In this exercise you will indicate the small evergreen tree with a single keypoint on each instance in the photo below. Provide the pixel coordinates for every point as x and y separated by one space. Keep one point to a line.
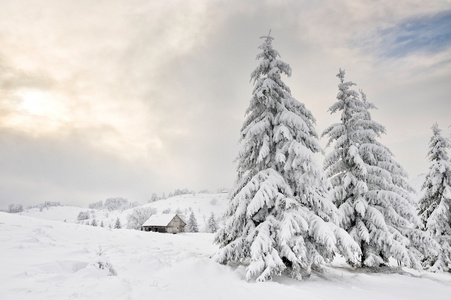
369 186
94 222
192 224
212 225
101 224
279 217
435 205
118 225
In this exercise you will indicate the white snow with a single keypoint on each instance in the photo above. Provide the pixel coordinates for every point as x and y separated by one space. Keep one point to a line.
45 259
159 220
56 213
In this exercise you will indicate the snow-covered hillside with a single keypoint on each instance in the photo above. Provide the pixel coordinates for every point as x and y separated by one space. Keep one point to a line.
55 213
44 259
202 205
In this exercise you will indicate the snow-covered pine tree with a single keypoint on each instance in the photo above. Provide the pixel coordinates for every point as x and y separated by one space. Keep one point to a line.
369 186
192 224
212 224
278 216
382 164
118 225
435 205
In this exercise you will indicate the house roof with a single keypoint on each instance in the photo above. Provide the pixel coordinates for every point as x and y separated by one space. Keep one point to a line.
160 220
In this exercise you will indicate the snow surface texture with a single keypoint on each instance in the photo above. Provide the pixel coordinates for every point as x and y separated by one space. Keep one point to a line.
44 259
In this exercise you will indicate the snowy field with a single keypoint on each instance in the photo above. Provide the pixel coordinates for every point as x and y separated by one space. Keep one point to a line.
48 259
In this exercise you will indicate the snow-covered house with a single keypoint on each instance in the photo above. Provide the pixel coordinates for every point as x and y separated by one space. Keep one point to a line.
169 223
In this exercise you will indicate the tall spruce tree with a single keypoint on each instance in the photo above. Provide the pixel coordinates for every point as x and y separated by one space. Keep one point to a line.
435 205
369 186
279 217
387 179
118 225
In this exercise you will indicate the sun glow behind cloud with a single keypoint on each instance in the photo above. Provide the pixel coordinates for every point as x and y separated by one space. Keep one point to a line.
35 112
108 79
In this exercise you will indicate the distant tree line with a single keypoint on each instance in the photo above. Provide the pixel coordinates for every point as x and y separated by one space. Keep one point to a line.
111 204
17 208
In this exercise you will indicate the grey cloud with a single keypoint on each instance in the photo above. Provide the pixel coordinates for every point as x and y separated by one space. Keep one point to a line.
12 79
171 83
37 170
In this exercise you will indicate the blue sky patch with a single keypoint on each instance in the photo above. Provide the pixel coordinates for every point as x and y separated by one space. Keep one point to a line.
425 34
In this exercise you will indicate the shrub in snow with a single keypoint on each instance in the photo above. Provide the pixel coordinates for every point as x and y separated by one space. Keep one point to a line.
83 215
191 226
102 262
15 208
369 186
138 216
94 222
279 218
435 205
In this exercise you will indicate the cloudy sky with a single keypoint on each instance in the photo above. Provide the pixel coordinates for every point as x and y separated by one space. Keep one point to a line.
110 98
